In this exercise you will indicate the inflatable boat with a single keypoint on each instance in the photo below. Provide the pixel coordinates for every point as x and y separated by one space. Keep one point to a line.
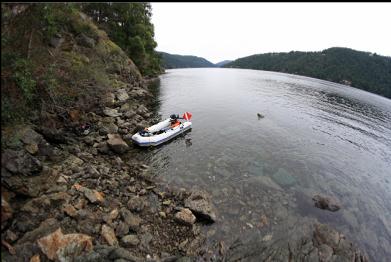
163 131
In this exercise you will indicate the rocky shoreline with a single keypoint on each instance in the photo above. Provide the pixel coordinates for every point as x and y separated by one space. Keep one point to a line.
81 192
71 184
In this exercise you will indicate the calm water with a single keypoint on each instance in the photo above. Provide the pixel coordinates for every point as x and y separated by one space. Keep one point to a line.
316 137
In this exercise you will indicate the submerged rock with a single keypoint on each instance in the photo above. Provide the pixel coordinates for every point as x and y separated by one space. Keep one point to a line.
328 203
199 202
283 177
305 242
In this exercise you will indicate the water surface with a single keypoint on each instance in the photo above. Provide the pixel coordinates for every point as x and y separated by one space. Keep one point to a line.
315 137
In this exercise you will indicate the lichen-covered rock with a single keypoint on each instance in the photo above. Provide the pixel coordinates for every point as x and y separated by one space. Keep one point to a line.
111 112
122 95
57 246
185 216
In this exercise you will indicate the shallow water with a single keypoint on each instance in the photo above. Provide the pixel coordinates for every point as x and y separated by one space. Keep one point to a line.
315 137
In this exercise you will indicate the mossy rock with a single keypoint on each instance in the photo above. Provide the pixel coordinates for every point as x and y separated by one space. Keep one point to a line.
283 178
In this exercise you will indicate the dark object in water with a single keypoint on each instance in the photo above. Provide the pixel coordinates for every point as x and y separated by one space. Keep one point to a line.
260 116
328 203
188 142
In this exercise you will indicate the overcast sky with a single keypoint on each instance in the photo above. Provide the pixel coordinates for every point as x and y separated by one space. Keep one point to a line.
226 31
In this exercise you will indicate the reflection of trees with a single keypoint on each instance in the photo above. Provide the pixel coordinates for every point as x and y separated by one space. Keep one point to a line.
154 88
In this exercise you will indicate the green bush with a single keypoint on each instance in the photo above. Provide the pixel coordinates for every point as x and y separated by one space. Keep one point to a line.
23 77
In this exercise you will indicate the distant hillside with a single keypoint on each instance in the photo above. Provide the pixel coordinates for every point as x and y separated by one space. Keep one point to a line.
222 63
184 61
367 71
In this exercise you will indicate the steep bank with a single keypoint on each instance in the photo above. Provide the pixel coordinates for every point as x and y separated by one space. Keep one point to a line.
70 102
367 71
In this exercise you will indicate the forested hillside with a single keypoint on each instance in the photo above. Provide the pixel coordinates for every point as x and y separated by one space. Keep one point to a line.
367 71
184 61
129 25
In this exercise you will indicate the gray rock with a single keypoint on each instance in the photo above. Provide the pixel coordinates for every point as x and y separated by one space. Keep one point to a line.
122 95
30 186
116 144
136 204
131 219
130 240
111 112
185 216
29 136
20 162
142 110
46 227
108 99
120 252
85 41
283 177
56 41
122 229
200 203
103 148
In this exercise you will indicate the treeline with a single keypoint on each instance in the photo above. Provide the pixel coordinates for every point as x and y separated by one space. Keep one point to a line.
367 71
184 61
129 26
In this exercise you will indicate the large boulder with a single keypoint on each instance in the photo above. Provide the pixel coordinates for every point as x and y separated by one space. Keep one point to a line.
20 163
31 186
200 203
116 143
57 246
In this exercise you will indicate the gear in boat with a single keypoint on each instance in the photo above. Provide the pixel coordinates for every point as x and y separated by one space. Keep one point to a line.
163 131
